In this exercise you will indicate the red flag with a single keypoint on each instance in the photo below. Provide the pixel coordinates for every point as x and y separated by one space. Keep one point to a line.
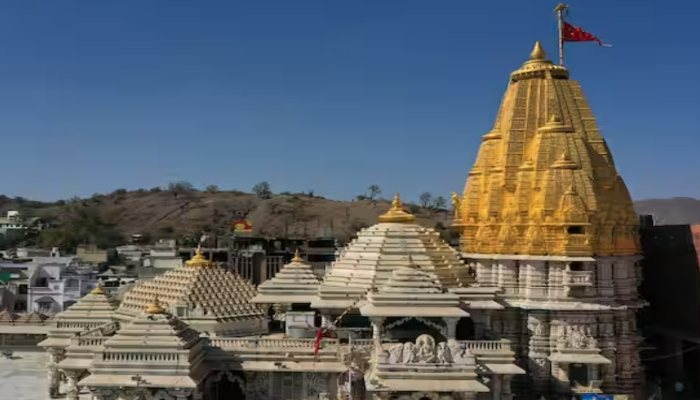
317 342
572 33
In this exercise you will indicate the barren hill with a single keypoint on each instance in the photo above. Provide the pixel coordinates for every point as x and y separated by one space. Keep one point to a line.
159 214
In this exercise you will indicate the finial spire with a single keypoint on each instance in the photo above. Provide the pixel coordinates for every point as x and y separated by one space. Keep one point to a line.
396 212
538 52
99 289
297 257
199 260
155 307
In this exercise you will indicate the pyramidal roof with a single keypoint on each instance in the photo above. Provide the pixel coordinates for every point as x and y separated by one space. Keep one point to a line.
294 283
198 292
93 310
156 347
96 306
410 290
396 241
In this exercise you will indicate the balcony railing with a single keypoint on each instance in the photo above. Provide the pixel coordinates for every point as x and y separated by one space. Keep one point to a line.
578 278
477 347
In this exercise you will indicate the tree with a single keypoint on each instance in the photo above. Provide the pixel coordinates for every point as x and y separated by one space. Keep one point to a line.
212 189
374 191
439 203
262 190
180 187
425 199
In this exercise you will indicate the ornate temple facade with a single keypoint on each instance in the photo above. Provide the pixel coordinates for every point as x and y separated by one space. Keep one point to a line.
546 219
543 307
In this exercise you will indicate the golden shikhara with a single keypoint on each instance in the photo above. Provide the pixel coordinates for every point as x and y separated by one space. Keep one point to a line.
544 181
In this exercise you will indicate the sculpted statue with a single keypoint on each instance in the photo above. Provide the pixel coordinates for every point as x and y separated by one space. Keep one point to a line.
426 349
577 339
562 338
444 355
591 342
455 204
409 353
396 354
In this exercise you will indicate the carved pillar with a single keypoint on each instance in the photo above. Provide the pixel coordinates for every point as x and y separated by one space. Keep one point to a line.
507 394
54 375
496 387
451 324
72 389
538 351
377 331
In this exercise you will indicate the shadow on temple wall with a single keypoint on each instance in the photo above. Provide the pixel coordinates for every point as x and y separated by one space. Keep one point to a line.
671 322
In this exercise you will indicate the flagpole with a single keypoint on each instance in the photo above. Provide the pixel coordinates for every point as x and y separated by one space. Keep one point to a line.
560 22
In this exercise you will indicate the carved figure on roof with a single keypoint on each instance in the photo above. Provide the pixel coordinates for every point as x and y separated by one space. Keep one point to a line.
409 353
426 349
591 342
577 338
396 353
455 204
444 355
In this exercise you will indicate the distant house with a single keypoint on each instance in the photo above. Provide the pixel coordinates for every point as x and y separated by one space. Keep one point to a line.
14 223
91 254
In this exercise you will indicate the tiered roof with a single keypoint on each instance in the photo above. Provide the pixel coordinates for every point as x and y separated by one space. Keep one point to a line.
93 310
411 288
294 283
395 242
97 306
198 292
155 350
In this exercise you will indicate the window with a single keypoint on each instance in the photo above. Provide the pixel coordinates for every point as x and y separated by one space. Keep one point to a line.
576 266
42 282
575 230
23 289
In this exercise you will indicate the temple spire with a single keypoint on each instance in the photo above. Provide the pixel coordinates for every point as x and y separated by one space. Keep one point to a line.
538 52
396 212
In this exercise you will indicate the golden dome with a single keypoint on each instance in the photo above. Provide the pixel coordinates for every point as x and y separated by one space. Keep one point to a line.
155 307
98 289
297 257
199 260
396 212
544 181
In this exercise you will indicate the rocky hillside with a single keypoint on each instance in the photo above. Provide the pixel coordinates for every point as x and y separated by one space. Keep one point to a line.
187 215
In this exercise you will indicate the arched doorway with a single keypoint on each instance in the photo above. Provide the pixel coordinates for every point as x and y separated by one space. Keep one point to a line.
224 385
465 329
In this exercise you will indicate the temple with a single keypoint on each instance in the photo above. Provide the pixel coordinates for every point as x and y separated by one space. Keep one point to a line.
546 219
543 307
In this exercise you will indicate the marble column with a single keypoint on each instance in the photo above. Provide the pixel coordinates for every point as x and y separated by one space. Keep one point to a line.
451 328
72 389
377 323
496 387
54 375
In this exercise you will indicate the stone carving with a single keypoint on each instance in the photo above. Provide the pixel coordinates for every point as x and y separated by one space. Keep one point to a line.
409 353
444 355
534 325
396 354
425 350
576 337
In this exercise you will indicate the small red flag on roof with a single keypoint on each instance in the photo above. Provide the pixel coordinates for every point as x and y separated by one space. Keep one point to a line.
571 33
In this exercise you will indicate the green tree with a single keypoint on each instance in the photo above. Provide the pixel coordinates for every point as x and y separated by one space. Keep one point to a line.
373 191
262 190
439 203
212 189
425 199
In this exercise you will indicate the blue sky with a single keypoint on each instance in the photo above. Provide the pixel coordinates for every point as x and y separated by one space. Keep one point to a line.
330 96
